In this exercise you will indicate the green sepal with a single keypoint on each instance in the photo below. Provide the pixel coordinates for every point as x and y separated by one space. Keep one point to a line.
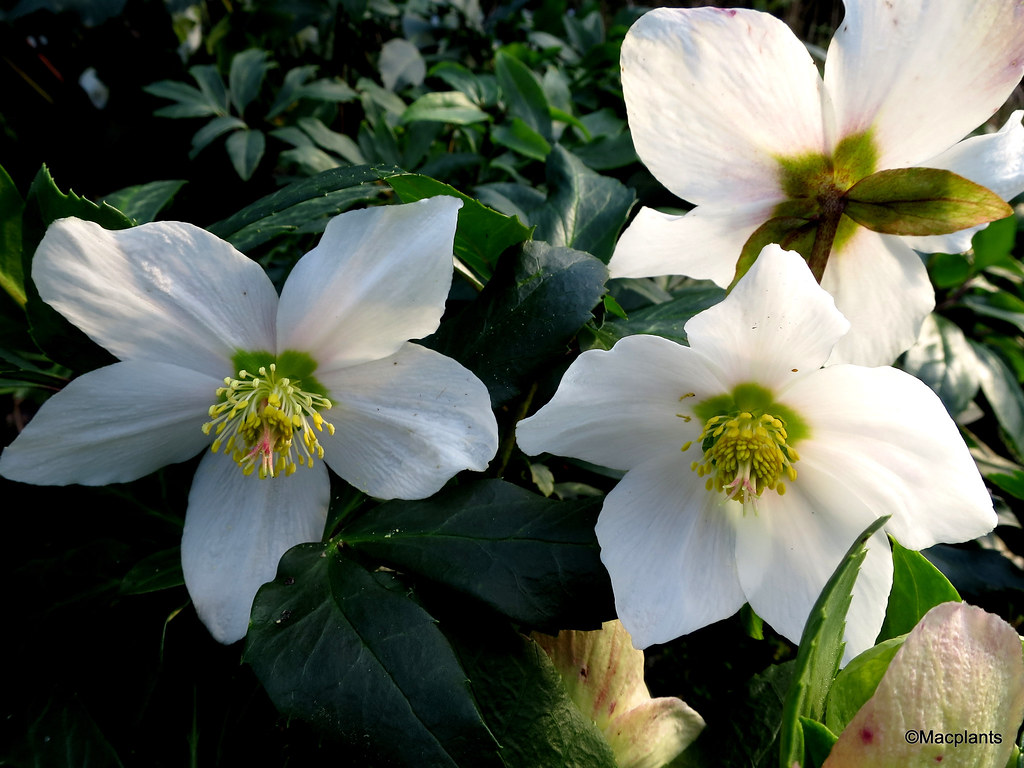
818 741
792 233
922 201
917 587
857 682
821 650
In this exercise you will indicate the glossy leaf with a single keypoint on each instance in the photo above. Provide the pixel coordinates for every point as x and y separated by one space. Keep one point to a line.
922 201
12 278
401 64
531 559
217 127
143 202
483 234
520 137
338 143
917 587
525 317
161 570
248 69
943 359
352 653
1003 393
523 700
191 102
302 204
584 210
523 93
245 148
821 650
666 319
445 107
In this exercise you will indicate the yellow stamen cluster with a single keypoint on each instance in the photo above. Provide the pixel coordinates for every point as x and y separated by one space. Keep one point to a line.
257 418
745 454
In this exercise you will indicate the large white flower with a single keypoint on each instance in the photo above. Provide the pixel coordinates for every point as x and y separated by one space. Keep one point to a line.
210 354
728 111
783 462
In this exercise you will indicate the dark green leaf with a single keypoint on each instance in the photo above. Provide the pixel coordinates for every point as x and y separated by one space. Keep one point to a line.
525 317
302 202
445 107
821 650
523 700
161 570
481 89
917 587
144 201
338 143
216 127
212 85
1003 393
530 558
584 210
294 79
922 201
245 148
401 64
521 138
12 278
328 89
949 270
993 245
857 683
999 305
350 652
943 359
483 234
523 93
976 572
746 738
65 734
248 69
666 319
1012 484
191 101
61 341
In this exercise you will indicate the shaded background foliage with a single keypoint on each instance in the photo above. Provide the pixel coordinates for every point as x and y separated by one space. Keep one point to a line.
109 665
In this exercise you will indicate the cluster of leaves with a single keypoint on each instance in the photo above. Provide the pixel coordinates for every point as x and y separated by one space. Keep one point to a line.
408 618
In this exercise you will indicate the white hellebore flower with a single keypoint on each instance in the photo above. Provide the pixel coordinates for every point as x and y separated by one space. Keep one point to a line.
783 462
211 356
728 111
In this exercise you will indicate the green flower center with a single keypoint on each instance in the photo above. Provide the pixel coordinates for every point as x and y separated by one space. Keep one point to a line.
746 454
268 422
747 443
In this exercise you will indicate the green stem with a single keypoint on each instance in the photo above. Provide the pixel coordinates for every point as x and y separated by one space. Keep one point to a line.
832 207
508 442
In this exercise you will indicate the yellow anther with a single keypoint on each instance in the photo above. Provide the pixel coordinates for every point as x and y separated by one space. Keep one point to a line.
258 418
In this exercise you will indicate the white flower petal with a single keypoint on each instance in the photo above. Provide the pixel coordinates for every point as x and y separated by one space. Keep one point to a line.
378 278
887 440
408 423
237 527
870 597
994 160
166 291
922 74
704 244
622 407
788 549
669 547
113 425
775 320
883 289
714 97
